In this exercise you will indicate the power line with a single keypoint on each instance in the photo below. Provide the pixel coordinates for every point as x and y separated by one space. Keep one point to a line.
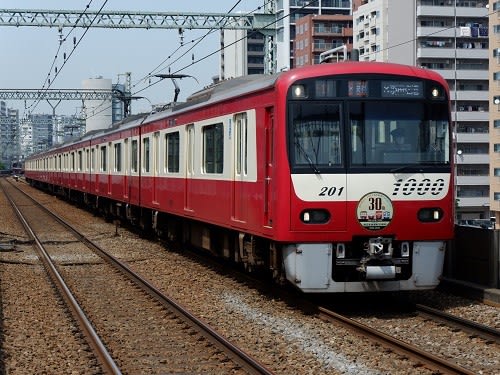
74 48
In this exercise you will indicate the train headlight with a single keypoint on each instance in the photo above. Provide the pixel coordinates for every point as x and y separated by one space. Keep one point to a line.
314 216
299 92
430 214
437 93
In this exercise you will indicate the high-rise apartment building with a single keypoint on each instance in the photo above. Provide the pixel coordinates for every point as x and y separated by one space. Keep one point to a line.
494 102
450 37
287 14
316 34
243 53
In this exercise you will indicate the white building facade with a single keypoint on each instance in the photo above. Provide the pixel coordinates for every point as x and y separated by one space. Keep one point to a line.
450 37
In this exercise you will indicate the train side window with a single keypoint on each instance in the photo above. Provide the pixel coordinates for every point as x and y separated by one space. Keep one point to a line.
145 155
118 157
72 166
156 153
190 148
213 148
92 160
80 160
134 156
103 159
172 152
87 159
241 133
126 155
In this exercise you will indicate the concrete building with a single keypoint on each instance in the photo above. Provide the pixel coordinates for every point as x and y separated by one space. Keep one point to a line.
494 101
98 112
450 37
384 30
288 12
315 34
9 135
242 53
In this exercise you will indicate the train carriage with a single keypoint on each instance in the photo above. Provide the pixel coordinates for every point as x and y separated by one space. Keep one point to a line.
337 177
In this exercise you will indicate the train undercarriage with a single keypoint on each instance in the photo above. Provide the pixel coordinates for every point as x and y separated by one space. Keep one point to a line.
365 264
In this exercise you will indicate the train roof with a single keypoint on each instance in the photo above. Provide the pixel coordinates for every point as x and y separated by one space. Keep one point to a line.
237 87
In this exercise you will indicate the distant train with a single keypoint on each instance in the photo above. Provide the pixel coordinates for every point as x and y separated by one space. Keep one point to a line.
335 177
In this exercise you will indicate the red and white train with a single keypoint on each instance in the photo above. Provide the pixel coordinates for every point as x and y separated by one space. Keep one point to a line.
337 177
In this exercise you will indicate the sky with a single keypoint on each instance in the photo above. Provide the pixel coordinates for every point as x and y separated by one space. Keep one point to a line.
28 53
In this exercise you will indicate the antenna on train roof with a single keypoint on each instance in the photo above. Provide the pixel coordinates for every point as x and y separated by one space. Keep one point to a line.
173 77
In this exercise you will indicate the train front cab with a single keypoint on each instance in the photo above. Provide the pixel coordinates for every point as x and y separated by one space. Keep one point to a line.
385 214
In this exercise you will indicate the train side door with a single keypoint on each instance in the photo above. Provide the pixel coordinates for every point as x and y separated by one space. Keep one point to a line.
126 168
268 212
134 180
240 157
189 166
108 167
156 165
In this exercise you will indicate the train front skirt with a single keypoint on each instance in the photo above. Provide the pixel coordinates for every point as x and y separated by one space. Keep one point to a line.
311 267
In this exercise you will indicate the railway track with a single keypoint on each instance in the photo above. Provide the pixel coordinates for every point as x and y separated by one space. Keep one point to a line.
421 357
397 351
414 352
127 330
473 328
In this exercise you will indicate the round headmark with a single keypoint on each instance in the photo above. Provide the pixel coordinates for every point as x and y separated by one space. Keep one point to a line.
374 211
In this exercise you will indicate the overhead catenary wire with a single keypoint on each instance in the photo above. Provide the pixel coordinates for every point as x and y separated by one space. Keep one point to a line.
150 74
198 41
249 34
76 44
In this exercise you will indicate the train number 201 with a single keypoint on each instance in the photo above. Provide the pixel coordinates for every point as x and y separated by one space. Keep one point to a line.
331 191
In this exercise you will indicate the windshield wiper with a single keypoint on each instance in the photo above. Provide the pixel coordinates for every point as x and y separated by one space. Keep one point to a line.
311 163
413 168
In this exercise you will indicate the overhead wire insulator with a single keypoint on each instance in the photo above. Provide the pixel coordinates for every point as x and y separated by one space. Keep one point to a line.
181 34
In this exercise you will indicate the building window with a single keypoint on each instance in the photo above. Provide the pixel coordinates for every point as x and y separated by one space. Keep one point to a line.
496 147
496 196
496 171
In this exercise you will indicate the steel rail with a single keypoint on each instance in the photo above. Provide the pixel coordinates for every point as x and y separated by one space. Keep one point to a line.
237 354
470 326
100 350
427 358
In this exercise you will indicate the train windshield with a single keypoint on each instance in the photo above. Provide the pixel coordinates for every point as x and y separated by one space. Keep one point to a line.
392 132
367 133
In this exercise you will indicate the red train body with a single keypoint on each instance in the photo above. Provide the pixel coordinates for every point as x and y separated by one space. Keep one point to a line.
295 172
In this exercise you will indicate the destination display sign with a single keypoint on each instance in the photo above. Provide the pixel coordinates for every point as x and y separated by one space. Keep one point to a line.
402 89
